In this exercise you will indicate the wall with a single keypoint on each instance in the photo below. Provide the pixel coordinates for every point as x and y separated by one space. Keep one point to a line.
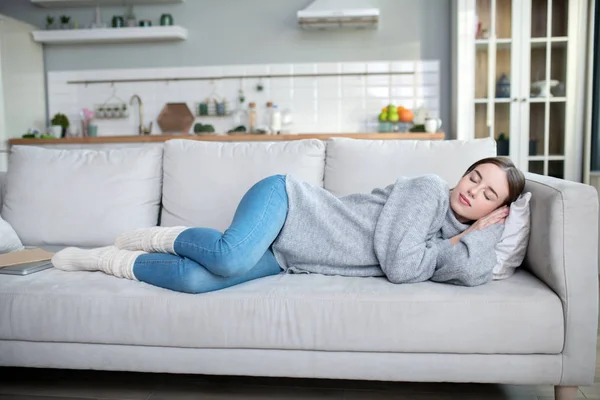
225 32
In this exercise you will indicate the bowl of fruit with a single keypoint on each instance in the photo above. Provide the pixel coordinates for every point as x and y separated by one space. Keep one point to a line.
395 119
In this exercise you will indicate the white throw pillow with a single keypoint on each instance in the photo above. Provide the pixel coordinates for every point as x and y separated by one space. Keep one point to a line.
9 241
80 197
511 249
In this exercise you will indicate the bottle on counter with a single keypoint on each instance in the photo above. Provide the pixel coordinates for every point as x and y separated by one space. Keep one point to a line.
275 121
267 117
252 117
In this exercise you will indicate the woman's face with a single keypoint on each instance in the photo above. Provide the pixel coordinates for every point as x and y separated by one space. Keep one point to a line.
479 192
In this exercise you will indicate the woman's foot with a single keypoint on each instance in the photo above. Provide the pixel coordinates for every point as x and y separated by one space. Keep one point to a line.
110 260
158 239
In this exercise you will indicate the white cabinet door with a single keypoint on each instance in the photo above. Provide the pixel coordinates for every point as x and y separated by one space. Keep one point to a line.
524 69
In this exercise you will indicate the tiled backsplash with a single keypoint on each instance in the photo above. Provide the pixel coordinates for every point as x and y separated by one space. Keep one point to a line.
318 104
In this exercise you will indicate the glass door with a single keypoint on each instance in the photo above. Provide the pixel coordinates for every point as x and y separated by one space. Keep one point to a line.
546 97
496 109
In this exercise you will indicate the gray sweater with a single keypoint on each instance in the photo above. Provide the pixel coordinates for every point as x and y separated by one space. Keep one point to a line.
400 232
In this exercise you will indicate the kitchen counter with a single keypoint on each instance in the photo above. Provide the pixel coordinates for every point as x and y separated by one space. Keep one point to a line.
228 138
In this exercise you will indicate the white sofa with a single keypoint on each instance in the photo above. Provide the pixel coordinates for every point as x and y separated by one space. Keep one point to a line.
538 327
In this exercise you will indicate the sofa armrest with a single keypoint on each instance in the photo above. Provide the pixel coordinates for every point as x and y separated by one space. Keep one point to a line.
563 253
2 187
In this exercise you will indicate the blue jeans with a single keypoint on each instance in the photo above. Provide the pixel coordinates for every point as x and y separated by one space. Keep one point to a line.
209 260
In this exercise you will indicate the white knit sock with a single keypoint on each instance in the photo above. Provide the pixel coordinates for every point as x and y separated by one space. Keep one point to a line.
158 239
110 260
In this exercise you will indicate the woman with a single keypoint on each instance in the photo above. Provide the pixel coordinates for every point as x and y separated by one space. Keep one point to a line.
414 230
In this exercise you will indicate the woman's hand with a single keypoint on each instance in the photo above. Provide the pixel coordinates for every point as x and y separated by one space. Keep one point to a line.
497 216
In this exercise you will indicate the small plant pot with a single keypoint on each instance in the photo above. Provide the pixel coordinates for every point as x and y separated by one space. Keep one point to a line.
532 147
503 147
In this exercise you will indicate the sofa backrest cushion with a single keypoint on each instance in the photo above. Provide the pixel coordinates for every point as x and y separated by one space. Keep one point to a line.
81 197
203 182
359 166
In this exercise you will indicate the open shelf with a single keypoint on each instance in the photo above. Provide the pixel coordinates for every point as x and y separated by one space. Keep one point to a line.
549 99
500 43
494 100
111 35
93 3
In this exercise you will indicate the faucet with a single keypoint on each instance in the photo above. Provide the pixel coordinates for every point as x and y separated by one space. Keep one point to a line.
142 130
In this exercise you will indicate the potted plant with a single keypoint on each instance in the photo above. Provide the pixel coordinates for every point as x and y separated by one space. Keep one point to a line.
502 145
64 22
62 121
532 146
49 22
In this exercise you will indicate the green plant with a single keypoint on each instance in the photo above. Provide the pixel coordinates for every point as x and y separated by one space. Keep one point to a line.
502 137
49 20
60 119
64 19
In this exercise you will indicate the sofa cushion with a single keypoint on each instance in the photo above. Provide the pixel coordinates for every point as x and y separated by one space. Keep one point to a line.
519 315
204 181
358 166
81 197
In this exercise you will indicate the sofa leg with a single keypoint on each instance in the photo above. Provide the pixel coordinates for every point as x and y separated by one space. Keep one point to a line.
565 392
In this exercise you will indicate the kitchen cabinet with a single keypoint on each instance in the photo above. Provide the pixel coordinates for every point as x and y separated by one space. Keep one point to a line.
520 75
22 83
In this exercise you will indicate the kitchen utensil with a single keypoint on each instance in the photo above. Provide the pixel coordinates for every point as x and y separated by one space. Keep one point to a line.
175 118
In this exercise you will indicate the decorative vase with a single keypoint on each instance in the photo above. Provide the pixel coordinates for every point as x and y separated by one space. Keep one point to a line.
503 87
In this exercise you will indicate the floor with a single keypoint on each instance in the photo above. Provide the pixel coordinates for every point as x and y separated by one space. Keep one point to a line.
48 384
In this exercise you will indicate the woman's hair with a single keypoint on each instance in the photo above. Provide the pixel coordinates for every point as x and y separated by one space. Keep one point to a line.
516 179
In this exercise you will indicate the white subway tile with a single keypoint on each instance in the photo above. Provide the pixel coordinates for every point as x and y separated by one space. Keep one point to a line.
378 67
300 69
353 80
378 92
378 80
353 91
328 81
402 91
282 69
329 92
427 91
403 79
402 66
329 68
354 67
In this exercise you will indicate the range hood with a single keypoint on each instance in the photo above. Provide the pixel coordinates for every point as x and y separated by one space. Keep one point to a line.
332 14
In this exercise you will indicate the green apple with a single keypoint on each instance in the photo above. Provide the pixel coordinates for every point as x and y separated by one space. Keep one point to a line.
383 116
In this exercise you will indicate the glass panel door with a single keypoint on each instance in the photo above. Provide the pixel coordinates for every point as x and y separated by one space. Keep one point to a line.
494 72
548 44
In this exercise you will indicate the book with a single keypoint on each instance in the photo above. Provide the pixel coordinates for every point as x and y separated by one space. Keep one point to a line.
25 262
27 256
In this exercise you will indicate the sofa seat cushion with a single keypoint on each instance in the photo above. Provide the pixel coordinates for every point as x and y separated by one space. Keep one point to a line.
205 181
519 315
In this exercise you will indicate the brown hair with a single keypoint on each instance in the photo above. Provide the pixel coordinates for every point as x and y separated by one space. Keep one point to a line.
516 179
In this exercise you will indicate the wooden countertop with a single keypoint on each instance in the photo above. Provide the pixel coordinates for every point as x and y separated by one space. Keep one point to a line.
228 138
